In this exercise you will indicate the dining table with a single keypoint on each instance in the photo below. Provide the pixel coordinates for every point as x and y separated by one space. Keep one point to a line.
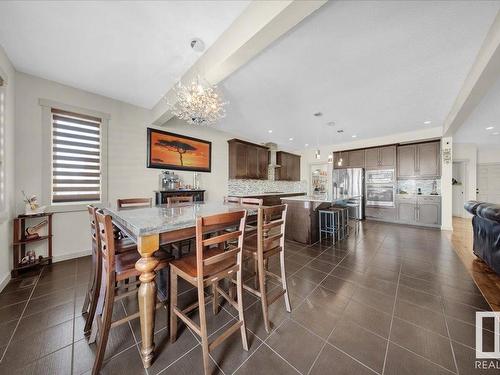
152 227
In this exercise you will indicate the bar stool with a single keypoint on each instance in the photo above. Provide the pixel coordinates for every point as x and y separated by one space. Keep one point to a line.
267 242
329 223
91 296
115 268
208 267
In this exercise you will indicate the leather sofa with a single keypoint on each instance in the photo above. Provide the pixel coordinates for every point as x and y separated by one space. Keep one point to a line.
486 227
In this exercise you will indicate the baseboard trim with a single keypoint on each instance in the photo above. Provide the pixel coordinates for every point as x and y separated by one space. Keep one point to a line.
60 258
5 281
450 228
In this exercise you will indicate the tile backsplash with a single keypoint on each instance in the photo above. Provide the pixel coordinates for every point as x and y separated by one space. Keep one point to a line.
412 186
240 187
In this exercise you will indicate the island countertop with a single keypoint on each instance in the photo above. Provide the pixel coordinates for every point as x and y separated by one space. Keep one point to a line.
312 198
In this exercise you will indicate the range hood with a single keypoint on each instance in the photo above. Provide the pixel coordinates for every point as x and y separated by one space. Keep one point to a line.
273 147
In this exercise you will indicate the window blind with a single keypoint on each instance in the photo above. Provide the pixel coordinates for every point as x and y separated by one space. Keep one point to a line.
76 157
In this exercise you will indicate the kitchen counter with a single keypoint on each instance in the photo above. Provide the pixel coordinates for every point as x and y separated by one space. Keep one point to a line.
312 198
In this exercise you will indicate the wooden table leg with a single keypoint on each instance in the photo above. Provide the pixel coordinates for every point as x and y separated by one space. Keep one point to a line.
147 245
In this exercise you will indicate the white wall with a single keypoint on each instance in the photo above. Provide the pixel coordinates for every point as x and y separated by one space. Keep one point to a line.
127 172
488 154
7 69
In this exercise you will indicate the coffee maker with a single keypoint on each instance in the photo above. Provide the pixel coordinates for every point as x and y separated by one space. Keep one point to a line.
169 181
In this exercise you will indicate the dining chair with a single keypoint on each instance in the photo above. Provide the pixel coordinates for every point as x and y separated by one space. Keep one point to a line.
179 199
231 200
93 286
115 268
178 246
268 241
124 203
252 201
208 267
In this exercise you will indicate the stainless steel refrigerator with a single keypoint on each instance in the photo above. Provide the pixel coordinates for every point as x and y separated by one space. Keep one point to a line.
350 182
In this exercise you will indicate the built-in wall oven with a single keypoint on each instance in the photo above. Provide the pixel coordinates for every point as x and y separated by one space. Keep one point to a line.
380 188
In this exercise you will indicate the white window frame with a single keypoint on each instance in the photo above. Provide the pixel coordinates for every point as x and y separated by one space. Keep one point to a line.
47 106
4 204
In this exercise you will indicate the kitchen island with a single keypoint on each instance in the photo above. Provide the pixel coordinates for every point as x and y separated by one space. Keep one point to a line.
302 222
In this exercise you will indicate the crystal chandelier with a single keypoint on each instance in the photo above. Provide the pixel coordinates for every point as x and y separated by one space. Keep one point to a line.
198 103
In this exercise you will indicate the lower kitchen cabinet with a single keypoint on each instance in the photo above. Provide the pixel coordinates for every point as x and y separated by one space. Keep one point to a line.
407 212
381 213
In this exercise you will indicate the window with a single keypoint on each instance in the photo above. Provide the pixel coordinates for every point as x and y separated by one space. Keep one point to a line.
2 147
77 141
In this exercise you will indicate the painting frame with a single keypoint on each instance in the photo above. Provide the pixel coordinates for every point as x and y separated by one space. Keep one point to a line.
157 165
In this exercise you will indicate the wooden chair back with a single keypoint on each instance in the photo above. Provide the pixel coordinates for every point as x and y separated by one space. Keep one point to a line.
179 199
106 242
252 201
271 229
231 200
133 203
232 256
93 232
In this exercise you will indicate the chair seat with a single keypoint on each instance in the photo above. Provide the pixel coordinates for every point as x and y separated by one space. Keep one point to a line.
125 263
188 264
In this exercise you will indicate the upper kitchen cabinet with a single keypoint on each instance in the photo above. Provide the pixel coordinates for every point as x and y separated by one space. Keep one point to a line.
290 166
341 159
356 159
247 160
419 160
380 157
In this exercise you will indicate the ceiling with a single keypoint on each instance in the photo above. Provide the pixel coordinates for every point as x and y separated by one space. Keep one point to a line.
374 68
130 51
485 115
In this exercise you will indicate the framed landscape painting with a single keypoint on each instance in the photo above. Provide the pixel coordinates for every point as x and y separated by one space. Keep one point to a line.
175 151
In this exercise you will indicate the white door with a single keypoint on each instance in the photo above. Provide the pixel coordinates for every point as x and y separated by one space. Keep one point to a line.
488 183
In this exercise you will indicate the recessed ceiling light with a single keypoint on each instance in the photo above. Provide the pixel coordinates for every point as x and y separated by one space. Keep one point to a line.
490 127
340 131
354 136
197 44
495 133
331 123
318 114
290 139
427 122
306 145
269 131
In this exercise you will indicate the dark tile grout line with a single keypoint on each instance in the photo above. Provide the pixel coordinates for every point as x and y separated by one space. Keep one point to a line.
20 317
392 320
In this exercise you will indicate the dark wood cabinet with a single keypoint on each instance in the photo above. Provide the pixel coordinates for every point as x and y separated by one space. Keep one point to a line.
380 157
290 166
420 160
161 196
247 160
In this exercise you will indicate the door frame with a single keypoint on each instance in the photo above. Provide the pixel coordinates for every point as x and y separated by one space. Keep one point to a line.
465 182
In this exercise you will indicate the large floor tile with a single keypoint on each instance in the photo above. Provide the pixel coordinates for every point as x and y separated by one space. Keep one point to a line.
428 344
300 353
360 343
263 361
403 362
332 359
425 318
369 318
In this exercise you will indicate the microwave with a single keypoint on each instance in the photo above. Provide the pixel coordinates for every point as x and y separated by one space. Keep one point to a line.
380 176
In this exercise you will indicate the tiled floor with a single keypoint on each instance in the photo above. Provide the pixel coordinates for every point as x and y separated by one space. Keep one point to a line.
392 300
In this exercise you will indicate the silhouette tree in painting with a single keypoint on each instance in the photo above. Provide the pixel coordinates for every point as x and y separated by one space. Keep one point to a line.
176 146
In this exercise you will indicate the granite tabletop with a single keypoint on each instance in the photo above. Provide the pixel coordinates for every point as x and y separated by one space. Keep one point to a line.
167 218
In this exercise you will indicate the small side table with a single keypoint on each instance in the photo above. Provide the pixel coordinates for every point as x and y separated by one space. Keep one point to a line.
20 241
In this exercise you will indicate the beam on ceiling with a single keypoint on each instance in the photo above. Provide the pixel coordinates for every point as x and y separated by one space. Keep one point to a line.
260 24
483 74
